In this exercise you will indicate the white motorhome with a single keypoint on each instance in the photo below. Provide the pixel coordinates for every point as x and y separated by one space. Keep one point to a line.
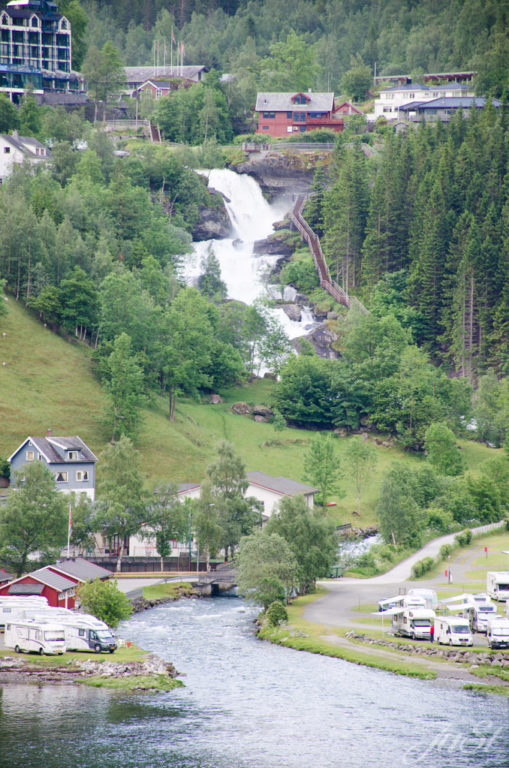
453 630
86 633
429 595
498 632
497 584
414 622
479 615
408 601
39 637
13 606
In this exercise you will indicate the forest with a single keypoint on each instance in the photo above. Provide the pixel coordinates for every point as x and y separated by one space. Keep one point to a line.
245 37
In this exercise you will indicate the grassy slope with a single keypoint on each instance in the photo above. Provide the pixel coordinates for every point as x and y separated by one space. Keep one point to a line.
48 382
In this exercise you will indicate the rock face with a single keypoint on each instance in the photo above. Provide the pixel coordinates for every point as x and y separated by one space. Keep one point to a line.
214 222
321 339
278 172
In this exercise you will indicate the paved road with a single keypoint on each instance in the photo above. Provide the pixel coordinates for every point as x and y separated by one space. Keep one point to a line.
336 608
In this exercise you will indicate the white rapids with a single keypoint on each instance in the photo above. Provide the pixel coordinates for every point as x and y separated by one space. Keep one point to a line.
245 274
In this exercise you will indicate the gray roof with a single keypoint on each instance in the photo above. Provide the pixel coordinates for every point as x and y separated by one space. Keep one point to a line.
158 82
282 102
54 449
282 485
71 98
183 487
22 588
25 144
141 74
52 579
81 569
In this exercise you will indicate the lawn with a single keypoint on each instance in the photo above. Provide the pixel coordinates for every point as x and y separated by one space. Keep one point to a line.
49 382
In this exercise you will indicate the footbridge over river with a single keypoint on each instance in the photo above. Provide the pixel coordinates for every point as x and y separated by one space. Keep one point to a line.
217 582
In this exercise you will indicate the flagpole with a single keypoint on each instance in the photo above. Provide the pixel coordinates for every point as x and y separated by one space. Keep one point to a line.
69 529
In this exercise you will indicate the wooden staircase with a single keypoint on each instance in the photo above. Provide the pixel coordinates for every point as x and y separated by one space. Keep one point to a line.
312 239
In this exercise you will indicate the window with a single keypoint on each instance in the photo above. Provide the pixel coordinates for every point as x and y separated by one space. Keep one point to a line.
35 21
289 115
269 115
299 99
299 117
7 150
265 127
81 476
61 477
30 455
72 455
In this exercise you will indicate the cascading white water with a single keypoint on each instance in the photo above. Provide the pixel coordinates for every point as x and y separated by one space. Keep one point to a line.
252 219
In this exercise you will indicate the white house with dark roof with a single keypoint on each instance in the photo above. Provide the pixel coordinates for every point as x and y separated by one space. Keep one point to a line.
389 101
270 490
16 149
68 458
264 488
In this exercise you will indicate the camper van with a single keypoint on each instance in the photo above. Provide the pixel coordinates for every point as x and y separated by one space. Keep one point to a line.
429 595
39 637
498 632
414 622
85 633
479 614
400 602
497 585
13 606
453 630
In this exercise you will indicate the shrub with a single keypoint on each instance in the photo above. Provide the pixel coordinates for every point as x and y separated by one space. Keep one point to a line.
464 538
422 566
445 551
276 613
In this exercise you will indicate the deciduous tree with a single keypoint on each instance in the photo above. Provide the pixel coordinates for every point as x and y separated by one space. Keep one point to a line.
34 517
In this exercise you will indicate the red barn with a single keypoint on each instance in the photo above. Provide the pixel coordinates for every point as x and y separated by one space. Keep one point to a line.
60 591
281 114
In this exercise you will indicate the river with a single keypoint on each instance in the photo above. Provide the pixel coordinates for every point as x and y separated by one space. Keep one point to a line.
248 704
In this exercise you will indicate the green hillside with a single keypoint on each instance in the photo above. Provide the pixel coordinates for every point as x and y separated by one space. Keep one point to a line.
48 382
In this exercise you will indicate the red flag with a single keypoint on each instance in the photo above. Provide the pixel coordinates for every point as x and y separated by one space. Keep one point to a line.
173 36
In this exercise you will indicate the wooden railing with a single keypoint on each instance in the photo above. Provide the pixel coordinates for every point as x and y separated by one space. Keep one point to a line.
312 239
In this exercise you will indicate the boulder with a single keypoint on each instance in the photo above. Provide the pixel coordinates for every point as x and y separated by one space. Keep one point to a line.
215 399
241 409
273 246
262 413
289 293
293 311
321 339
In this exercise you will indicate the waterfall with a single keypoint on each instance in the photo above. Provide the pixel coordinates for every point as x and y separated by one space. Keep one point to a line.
252 218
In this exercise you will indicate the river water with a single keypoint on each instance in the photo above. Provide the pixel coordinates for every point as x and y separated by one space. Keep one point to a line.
248 704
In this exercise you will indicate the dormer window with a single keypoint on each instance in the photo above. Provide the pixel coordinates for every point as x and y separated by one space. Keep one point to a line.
299 99
35 21
4 19
63 24
72 455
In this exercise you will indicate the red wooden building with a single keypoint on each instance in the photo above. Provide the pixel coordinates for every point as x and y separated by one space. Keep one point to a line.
281 114
57 582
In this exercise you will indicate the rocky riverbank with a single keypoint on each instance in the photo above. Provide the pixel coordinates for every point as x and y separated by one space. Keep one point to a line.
151 672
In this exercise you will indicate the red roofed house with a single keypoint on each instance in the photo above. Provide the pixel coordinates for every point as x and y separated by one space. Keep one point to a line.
57 582
281 114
